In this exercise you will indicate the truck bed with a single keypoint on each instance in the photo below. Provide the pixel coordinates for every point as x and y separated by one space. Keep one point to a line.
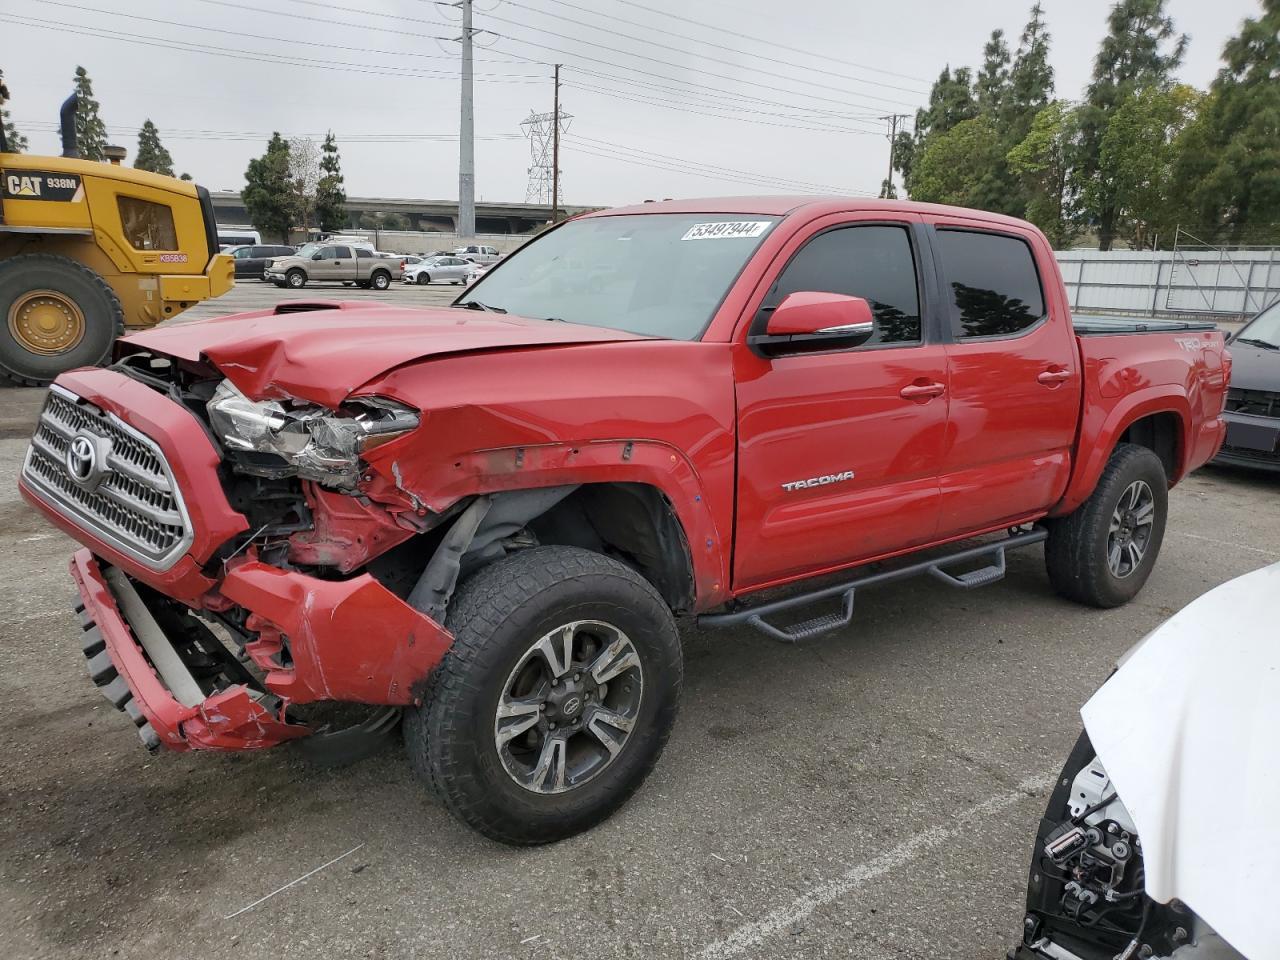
1093 326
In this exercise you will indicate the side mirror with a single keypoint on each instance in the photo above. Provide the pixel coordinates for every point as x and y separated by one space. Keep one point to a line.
812 314
316 256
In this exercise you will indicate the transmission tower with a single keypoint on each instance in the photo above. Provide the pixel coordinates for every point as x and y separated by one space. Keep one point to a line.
540 128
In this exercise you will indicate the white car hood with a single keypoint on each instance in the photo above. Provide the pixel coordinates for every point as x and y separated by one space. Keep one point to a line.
1188 728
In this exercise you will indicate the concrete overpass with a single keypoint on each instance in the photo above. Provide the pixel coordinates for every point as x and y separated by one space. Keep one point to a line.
440 216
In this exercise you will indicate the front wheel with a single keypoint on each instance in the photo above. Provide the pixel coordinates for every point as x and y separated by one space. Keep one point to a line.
556 698
296 279
381 280
1103 552
424 279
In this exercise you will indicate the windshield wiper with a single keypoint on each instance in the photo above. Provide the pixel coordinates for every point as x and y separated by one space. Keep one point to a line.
1264 344
477 305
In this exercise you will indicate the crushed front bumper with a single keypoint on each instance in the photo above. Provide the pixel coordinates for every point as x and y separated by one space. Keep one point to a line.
347 640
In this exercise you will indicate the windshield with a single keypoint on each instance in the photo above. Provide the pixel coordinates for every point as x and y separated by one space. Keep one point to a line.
660 274
1264 329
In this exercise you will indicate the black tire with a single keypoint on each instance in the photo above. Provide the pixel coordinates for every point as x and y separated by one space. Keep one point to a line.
101 309
1078 551
496 615
296 279
381 280
423 279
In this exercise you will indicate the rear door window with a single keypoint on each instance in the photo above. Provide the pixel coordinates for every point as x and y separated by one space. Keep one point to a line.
995 288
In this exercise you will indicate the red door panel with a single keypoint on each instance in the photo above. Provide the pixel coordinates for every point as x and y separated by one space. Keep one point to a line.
822 416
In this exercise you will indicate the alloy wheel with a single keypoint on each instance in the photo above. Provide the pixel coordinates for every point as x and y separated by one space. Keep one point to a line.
1129 535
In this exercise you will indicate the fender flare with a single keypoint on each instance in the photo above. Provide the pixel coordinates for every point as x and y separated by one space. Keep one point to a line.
1100 431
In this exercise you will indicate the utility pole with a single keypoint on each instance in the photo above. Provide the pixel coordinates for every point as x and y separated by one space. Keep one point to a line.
555 154
466 136
892 119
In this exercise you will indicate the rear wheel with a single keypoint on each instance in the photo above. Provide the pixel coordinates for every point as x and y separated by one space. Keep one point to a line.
380 280
1102 554
60 315
556 698
296 279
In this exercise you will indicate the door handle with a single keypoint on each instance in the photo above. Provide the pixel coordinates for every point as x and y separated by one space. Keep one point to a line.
921 392
1051 378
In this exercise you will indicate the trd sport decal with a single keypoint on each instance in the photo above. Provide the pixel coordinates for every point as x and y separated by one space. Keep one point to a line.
37 185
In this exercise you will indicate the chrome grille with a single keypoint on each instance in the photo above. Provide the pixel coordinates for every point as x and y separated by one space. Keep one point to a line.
128 498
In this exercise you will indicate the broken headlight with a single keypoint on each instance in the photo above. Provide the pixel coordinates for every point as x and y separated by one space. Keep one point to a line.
274 439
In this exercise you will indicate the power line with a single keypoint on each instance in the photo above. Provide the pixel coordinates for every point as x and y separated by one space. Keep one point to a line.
773 44
660 157
257 56
687 109
706 173
808 68
665 63
180 133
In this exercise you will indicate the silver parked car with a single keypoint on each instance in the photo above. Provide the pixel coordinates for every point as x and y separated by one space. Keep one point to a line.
439 269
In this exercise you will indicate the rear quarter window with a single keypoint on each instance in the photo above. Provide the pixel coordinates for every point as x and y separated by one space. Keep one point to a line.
995 287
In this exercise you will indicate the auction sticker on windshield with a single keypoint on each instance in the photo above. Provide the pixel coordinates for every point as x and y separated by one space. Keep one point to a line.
726 229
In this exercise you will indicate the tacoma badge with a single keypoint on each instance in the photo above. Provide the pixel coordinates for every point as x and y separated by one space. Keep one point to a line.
818 481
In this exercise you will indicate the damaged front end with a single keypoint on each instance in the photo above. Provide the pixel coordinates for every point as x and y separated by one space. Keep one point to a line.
226 592
1086 896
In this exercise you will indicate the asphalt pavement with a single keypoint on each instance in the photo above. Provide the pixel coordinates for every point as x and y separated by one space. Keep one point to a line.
870 794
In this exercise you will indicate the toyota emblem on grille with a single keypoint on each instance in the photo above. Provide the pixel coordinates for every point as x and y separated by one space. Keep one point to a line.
87 459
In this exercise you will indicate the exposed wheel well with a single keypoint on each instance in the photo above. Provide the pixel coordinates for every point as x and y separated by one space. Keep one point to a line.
631 521
1160 433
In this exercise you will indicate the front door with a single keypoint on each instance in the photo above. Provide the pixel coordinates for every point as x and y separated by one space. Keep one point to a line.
839 450
344 264
1015 377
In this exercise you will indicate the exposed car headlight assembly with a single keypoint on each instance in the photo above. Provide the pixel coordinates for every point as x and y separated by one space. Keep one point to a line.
270 438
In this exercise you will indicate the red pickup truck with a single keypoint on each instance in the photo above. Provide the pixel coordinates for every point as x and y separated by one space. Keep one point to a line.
486 518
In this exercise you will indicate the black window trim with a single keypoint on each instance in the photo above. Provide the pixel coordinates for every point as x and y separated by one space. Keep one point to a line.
946 298
923 264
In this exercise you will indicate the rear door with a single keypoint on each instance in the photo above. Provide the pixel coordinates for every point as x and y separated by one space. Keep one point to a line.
1014 376
835 463
344 265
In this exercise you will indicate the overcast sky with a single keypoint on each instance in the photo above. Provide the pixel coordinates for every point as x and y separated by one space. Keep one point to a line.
661 106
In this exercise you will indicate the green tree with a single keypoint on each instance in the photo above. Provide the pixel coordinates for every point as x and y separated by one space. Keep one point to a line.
991 87
1141 49
959 165
91 132
951 100
331 198
1136 160
1228 160
267 193
152 154
1042 162
16 141
1030 78
185 176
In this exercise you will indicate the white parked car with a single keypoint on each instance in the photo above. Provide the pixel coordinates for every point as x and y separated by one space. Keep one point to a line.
1160 839
439 270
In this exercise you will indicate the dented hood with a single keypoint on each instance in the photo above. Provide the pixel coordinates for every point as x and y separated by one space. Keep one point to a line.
1189 730
324 353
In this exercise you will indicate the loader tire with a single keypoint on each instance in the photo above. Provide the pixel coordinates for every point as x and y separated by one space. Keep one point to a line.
1101 554
57 314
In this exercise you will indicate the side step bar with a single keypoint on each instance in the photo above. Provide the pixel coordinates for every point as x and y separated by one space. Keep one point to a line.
993 553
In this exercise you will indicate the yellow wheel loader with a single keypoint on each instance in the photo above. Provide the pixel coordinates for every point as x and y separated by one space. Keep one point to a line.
90 249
